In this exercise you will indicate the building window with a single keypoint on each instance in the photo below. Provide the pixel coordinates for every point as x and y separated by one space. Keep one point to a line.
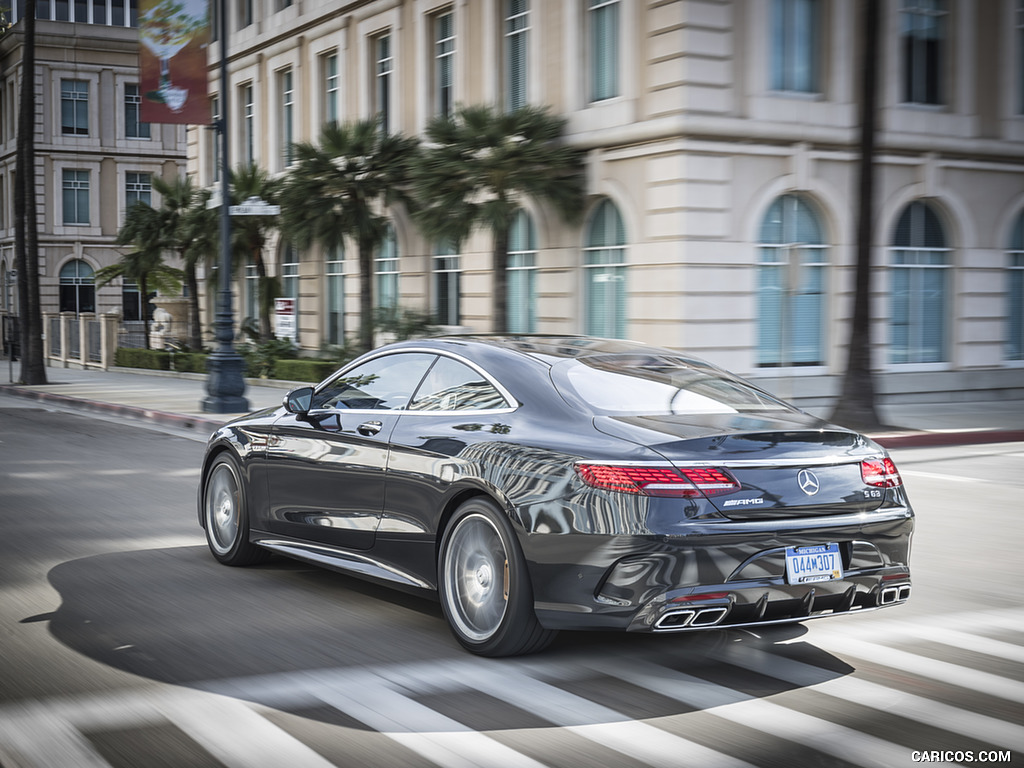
213 139
603 23
604 262
77 291
76 197
252 293
923 33
444 64
1015 293
796 34
1020 56
335 271
287 117
517 49
385 267
290 273
131 302
134 128
383 70
447 283
245 17
332 86
248 125
919 258
138 188
522 274
791 285
74 107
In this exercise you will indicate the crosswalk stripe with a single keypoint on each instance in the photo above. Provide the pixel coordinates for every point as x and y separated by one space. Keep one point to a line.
425 731
970 642
782 722
954 674
235 734
45 741
587 719
985 729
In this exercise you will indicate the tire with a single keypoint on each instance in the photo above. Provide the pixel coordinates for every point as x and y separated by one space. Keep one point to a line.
226 515
484 586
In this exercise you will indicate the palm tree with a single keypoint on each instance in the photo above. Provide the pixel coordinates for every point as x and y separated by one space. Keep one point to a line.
143 229
249 234
189 230
479 163
340 188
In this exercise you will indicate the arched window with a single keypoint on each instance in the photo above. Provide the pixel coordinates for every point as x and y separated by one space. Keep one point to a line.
604 262
335 316
919 258
447 283
1015 292
77 292
385 267
522 274
791 285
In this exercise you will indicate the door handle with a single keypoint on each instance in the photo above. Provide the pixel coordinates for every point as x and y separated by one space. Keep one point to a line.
369 428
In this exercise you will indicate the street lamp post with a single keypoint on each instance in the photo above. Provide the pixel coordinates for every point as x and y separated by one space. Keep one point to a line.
225 382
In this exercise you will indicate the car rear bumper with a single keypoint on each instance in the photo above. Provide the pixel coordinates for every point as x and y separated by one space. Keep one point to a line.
731 578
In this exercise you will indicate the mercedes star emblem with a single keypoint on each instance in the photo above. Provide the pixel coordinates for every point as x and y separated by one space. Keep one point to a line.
808 482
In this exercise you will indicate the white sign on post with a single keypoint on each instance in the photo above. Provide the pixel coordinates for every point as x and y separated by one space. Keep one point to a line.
285 326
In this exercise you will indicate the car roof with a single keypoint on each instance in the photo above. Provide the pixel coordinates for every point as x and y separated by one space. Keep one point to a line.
551 349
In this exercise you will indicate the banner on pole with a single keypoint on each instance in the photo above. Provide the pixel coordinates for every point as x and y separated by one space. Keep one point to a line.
173 66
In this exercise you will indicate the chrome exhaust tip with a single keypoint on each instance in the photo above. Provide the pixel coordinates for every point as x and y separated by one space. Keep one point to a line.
708 617
904 592
888 596
674 620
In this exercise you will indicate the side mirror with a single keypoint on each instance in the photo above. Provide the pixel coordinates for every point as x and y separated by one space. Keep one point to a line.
299 401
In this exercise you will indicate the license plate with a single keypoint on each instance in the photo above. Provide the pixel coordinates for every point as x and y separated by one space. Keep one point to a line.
818 563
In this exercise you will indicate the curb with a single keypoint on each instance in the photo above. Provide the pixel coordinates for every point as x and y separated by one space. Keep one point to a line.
181 420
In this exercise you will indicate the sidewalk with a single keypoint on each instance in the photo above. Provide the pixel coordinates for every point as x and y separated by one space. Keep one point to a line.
175 399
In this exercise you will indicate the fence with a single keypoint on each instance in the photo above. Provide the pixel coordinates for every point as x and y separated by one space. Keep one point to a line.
80 341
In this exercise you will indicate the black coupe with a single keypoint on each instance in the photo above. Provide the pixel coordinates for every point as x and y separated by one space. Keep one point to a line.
546 483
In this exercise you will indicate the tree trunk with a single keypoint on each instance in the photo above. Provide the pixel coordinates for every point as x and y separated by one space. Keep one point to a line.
195 334
365 295
144 288
33 366
499 271
856 406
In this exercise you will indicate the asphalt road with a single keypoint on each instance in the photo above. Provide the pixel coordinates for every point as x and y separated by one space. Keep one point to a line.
122 642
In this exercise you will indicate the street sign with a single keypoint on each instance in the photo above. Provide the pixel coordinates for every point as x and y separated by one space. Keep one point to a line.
284 314
254 206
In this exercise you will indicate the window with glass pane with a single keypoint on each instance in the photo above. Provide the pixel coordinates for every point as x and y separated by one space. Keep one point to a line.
522 275
335 272
791 285
517 48
74 107
134 127
248 124
604 262
382 81
332 84
386 271
603 23
383 383
923 39
213 139
131 300
138 188
287 116
76 197
1020 56
76 288
796 34
245 9
444 64
919 267
452 386
1015 293
252 293
290 274
447 278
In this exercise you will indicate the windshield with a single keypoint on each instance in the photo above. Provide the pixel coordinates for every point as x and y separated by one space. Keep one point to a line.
651 383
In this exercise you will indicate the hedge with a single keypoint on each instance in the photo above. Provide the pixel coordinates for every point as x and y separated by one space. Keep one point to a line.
312 371
159 360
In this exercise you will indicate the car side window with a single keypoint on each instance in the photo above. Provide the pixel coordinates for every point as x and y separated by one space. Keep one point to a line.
453 386
383 383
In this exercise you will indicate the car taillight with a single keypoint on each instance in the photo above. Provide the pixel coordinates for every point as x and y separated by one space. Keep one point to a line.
687 482
880 473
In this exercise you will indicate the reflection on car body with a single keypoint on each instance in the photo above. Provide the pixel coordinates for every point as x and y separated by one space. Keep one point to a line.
546 483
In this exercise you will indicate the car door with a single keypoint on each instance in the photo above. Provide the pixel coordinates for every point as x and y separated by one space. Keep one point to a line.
326 468
456 407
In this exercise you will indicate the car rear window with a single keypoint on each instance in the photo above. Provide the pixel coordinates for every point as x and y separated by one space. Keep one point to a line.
660 384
